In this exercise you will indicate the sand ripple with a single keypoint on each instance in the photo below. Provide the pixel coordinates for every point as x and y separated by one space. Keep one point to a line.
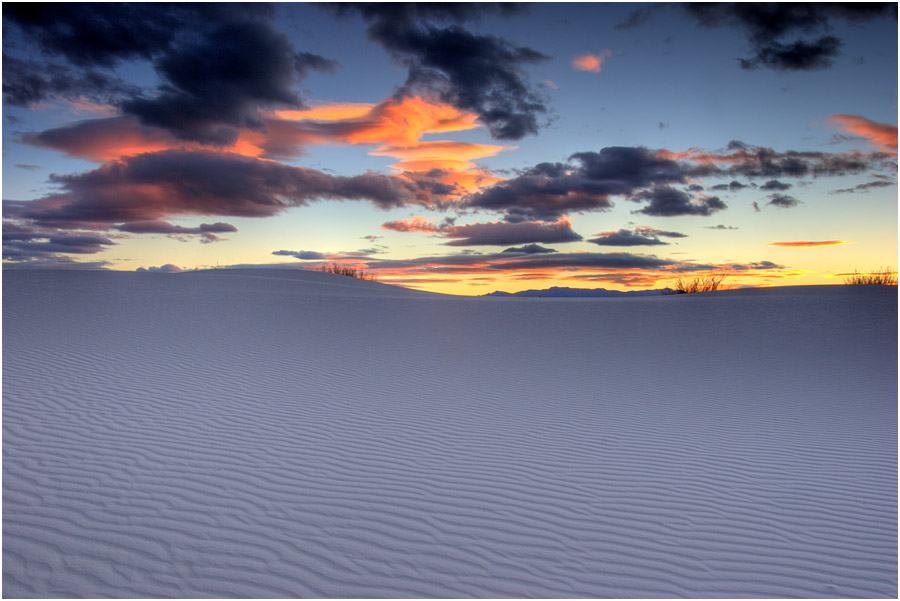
202 435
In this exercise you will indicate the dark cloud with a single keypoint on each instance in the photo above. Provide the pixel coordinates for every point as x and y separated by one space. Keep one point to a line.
758 161
767 25
797 56
721 227
484 74
864 187
734 186
589 180
783 201
153 186
303 255
758 265
104 34
220 64
626 238
775 185
549 190
206 231
55 261
245 67
666 201
23 243
649 231
27 82
498 233
529 249
499 262
77 44
504 234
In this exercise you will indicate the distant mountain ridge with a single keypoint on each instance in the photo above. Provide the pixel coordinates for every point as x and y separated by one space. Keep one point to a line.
560 292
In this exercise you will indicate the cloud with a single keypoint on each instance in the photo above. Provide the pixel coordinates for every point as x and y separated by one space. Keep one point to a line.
797 56
105 139
417 224
882 135
774 184
591 62
768 24
783 201
548 190
484 74
78 44
167 268
303 255
808 244
746 160
500 262
154 186
589 180
864 187
206 231
721 227
734 186
666 201
395 127
106 34
529 249
246 67
28 82
497 233
504 234
626 238
220 65
22 243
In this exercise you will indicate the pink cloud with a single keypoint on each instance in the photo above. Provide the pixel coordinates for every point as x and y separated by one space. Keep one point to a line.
883 135
591 62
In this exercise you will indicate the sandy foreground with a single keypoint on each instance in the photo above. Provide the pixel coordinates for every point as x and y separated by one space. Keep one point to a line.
297 434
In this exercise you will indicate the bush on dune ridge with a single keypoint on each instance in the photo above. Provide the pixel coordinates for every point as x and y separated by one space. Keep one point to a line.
699 284
349 271
884 277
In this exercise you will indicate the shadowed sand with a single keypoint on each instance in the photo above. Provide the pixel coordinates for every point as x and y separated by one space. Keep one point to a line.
297 434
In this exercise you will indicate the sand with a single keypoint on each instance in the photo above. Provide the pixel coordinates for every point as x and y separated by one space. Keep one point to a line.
260 433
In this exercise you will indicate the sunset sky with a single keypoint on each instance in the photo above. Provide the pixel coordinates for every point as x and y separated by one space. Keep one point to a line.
460 148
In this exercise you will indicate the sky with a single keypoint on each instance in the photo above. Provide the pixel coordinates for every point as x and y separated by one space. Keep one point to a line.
457 148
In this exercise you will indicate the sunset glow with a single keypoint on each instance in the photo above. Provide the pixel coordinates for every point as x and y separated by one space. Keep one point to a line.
445 148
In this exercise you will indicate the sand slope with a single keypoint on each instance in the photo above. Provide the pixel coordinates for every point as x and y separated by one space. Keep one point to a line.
287 434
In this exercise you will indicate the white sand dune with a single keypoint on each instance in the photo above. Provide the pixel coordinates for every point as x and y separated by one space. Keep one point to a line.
293 434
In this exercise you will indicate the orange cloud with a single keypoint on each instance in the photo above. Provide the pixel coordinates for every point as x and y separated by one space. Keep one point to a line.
808 244
396 127
391 122
333 111
883 135
591 62
413 224
107 139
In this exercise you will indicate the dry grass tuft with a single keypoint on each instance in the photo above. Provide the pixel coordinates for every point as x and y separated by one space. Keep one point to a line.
884 277
349 271
700 284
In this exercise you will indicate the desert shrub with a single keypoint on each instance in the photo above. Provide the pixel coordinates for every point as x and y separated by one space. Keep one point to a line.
699 284
884 277
349 271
